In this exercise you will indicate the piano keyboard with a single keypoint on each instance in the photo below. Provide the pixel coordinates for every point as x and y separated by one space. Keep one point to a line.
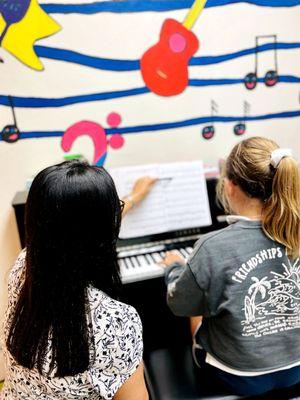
141 264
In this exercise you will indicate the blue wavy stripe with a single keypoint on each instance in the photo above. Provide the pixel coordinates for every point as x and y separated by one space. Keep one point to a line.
42 102
208 60
88 61
133 6
134 65
173 125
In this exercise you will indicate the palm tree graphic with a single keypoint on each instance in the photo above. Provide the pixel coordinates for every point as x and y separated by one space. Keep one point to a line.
259 286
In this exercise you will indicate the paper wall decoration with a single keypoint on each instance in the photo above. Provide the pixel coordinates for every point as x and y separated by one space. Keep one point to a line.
164 66
98 136
271 77
11 133
208 132
92 63
22 23
240 128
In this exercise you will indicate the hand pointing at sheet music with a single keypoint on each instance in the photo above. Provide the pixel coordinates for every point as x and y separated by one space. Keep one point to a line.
140 190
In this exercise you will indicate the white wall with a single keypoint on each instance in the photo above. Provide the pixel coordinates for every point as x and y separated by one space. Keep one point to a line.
221 30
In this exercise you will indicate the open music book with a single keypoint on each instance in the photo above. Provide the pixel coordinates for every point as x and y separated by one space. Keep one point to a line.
178 199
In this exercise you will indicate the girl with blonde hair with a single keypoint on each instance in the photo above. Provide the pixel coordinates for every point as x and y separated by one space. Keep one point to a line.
243 282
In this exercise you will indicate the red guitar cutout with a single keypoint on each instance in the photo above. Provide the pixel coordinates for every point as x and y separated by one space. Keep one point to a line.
164 66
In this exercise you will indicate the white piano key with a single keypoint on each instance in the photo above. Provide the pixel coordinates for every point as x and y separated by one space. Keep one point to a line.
157 257
189 250
143 273
128 263
122 267
142 261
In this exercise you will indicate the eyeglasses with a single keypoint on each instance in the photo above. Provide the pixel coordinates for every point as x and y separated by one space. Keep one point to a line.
122 205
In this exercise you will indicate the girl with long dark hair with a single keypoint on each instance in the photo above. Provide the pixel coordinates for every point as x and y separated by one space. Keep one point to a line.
66 335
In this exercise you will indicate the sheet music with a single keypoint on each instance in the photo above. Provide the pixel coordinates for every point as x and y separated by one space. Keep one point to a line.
178 199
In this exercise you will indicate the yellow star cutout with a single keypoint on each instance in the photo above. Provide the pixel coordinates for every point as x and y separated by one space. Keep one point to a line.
21 36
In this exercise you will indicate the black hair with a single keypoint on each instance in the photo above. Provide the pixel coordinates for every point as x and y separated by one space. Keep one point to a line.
72 223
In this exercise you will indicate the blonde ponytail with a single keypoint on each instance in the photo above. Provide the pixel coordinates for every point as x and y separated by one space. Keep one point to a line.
281 212
249 166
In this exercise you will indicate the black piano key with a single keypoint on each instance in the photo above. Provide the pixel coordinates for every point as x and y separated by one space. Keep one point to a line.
135 263
127 263
184 253
150 259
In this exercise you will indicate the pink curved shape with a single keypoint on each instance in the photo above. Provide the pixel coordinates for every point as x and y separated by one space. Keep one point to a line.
116 141
90 129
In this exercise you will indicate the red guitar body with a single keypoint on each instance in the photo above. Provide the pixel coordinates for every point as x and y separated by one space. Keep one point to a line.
164 66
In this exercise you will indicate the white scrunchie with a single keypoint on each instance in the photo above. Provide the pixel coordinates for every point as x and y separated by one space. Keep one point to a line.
278 154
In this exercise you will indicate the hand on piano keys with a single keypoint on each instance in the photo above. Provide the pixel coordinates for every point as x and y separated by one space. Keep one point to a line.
172 257
141 264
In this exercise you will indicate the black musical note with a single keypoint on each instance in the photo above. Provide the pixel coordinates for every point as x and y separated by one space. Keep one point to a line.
240 128
11 133
271 77
208 131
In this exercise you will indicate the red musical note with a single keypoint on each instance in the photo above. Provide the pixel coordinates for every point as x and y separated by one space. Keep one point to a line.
164 66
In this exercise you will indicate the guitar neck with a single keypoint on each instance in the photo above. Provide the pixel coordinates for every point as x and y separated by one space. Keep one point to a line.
194 13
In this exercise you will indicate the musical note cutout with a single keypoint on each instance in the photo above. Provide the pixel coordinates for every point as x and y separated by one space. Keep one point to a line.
208 131
12 11
11 133
22 23
116 141
240 128
164 66
271 77
98 136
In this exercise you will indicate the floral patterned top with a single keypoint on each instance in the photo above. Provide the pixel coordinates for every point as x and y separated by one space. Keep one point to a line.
116 351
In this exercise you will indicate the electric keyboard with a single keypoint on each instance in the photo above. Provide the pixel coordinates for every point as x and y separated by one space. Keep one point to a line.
141 261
